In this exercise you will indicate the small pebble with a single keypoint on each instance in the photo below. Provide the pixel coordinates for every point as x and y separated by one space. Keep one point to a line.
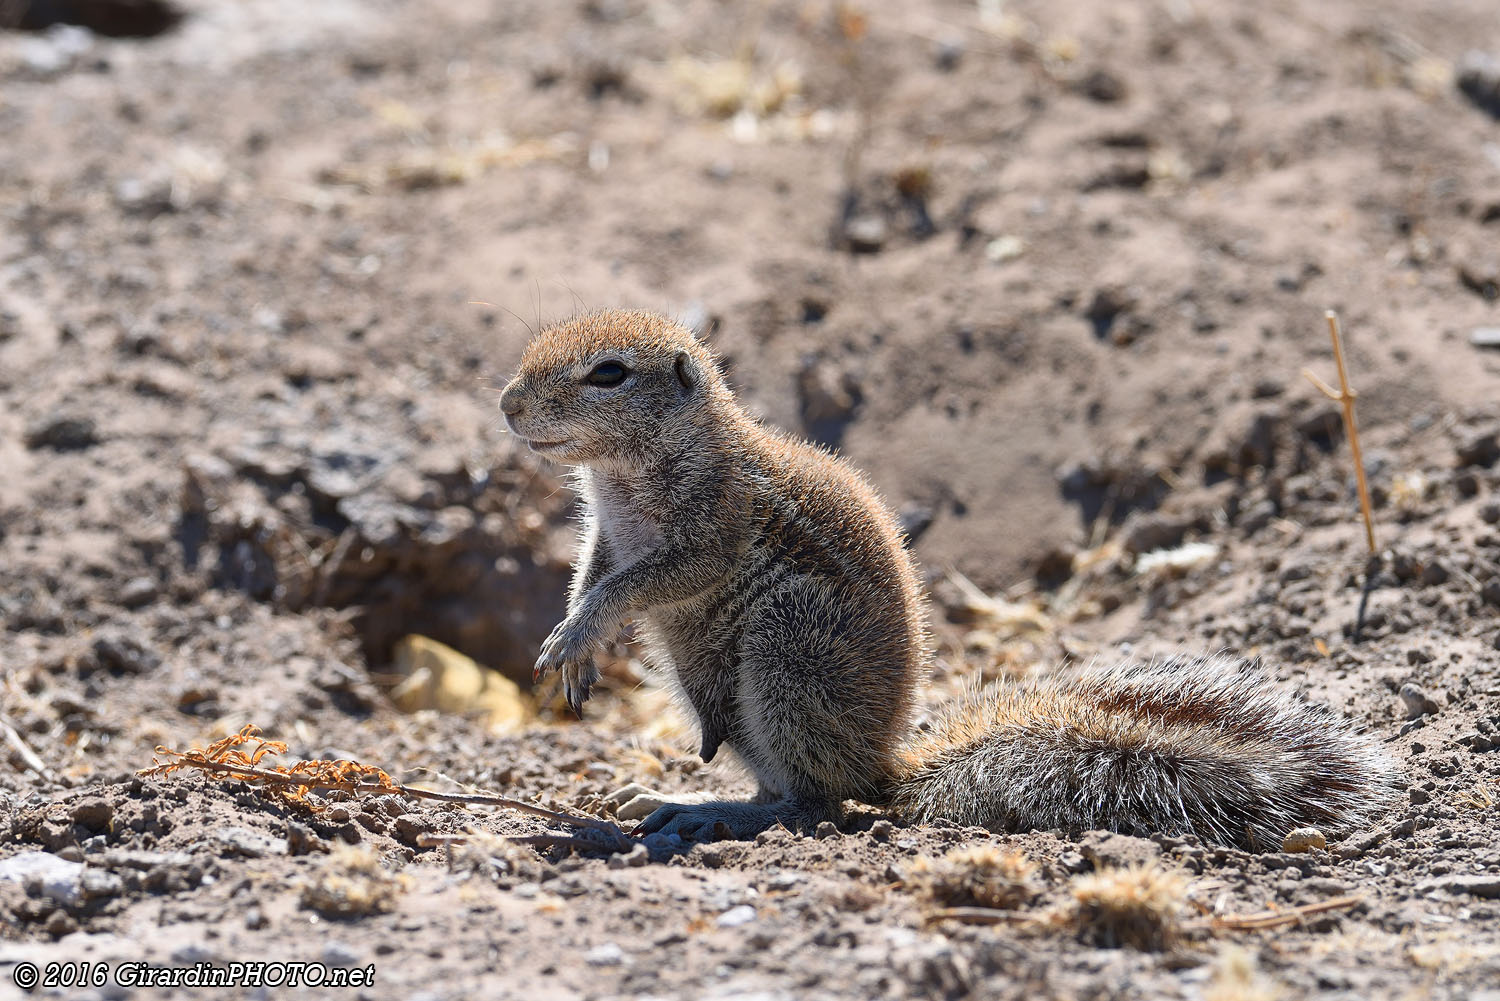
1304 839
1478 78
1103 86
61 434
409 828
97 884
1480 447
826 829
299 839
736 916
60 923
138 591
1418 702
638 856
865 234
1004 248
95 814
607 954
123 653
192 953
249 843
339 954
948 52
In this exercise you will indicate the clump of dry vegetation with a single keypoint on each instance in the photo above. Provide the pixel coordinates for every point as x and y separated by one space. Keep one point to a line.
1138 906
1236 977
352 883
224 759
977 876
500 860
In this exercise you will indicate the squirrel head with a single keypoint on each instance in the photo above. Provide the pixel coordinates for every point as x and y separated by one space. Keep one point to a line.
610 386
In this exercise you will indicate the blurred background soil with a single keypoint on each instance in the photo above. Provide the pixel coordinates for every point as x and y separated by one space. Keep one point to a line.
1048 273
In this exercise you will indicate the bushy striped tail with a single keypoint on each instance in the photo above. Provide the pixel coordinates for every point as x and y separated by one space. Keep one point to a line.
1204 745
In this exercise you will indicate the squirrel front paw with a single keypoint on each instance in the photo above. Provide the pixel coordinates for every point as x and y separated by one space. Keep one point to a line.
570 650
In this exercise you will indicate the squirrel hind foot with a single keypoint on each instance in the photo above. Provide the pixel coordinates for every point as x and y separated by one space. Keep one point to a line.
732 821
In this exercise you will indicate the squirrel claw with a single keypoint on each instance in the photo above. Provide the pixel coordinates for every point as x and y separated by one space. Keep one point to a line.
578 683
562 647
576 698
567 650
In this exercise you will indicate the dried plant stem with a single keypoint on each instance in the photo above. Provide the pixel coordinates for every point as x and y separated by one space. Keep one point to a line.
1345 395
978 916
24 752
531 840
1278 919
467 799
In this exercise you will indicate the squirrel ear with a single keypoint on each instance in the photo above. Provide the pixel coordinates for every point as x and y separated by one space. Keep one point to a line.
686 372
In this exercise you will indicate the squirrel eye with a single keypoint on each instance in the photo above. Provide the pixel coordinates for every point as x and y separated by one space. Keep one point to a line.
607 373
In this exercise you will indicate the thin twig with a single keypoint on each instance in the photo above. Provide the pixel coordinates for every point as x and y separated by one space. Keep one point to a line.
1278 919
1345 396
17 744
442 840
467 799
531 840
978 916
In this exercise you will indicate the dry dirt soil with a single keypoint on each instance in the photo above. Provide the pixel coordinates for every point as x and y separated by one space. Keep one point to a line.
1048 272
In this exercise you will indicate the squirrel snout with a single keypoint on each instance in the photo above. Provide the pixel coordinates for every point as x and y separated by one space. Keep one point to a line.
510 403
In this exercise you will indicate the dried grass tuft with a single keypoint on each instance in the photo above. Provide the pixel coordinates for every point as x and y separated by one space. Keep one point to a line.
978 876
1236 977
1139 906
500 860
352 884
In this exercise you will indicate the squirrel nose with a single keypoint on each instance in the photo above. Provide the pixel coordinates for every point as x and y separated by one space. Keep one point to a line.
510 403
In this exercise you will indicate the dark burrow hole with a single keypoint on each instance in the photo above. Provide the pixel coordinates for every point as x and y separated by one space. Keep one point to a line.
112 18
471 561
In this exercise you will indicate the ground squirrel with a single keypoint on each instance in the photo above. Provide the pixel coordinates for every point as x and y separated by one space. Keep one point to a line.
771 583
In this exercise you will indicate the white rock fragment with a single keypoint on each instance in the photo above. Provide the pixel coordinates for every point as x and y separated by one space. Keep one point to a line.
56 878
1180 558
736 916
607 954
1004 248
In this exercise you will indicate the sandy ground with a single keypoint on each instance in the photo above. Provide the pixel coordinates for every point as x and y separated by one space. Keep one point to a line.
1048 273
